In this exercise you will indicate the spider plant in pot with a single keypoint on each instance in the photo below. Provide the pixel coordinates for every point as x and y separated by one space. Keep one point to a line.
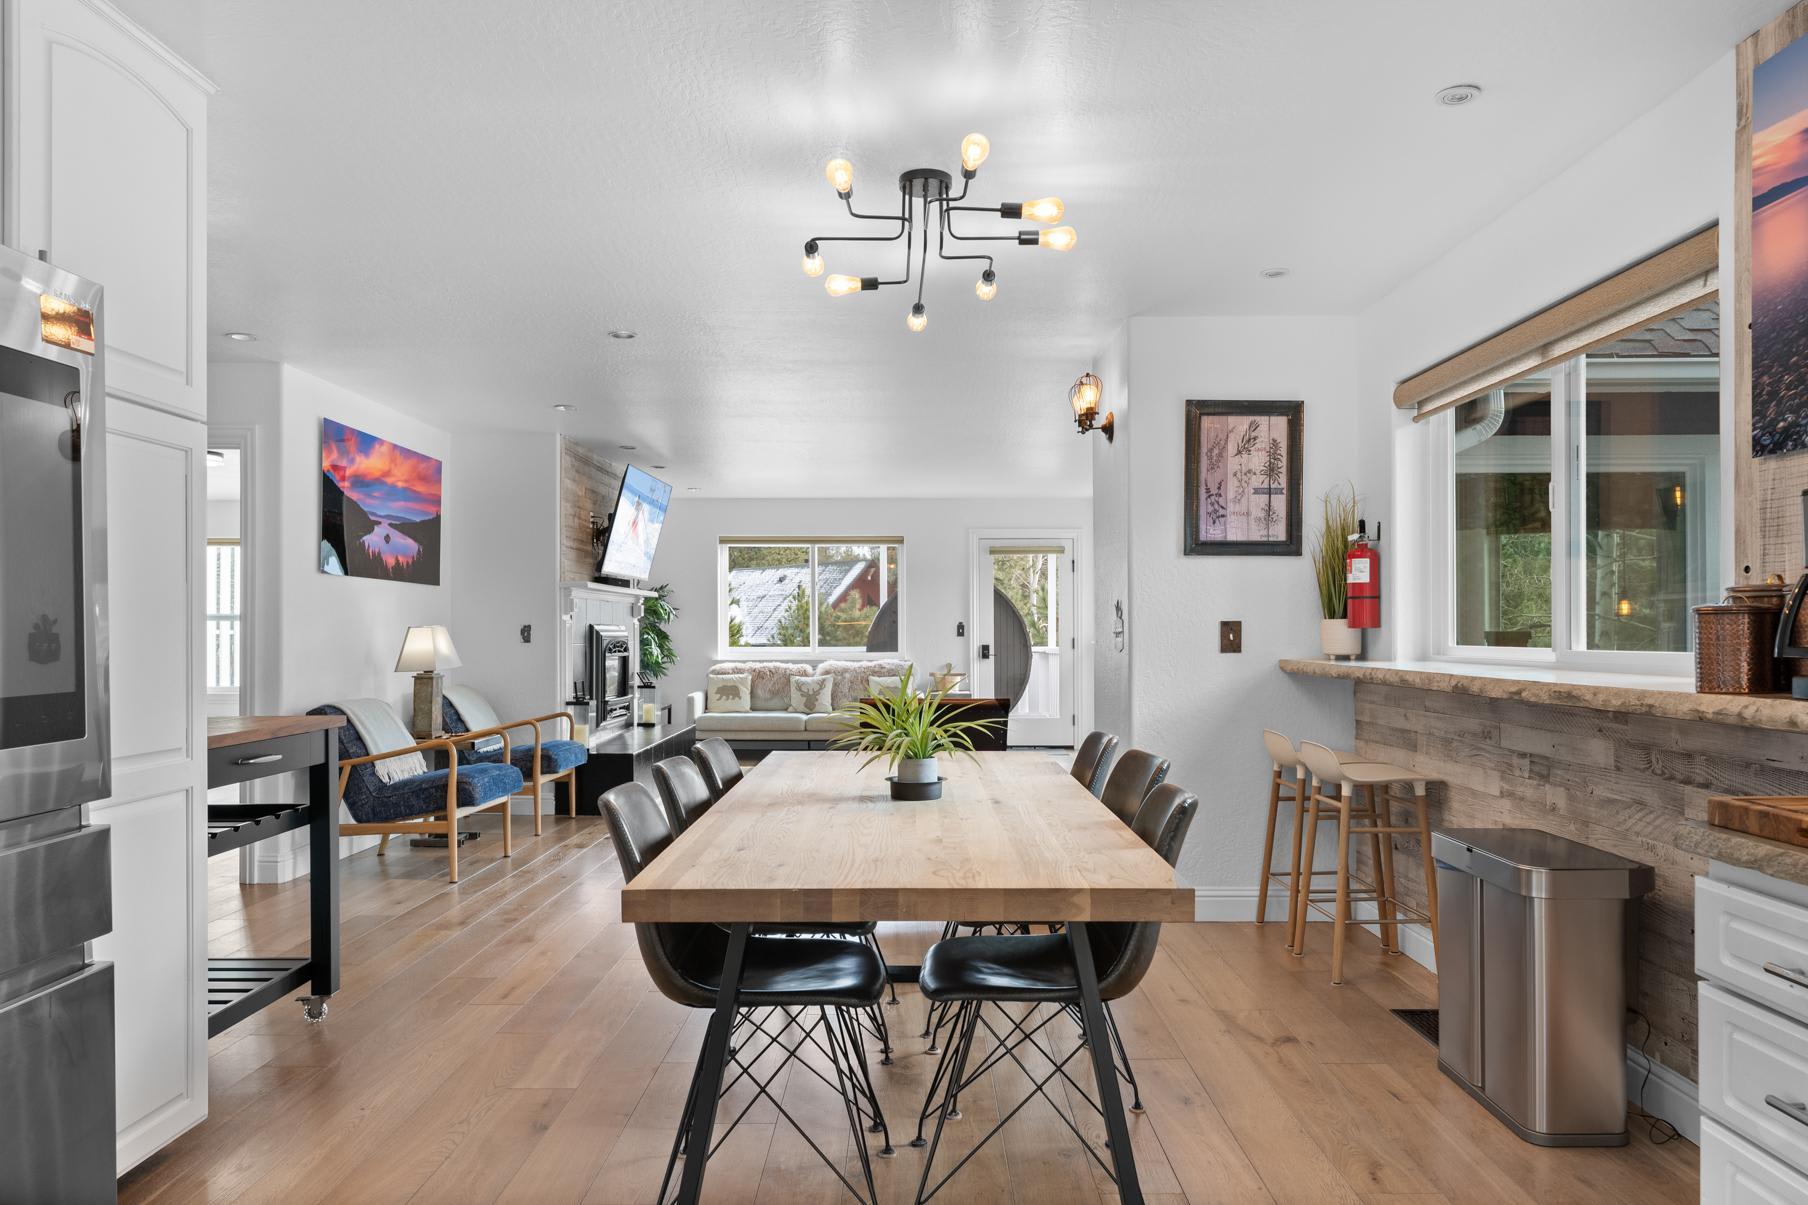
908 731
1338 510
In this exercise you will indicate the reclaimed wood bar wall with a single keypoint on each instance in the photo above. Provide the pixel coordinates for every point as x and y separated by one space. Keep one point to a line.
1619 782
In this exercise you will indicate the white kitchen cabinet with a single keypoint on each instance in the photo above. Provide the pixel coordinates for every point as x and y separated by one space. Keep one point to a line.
105 175
109 180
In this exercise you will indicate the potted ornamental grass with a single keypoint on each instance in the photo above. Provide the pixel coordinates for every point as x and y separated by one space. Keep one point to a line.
908 731
1339 515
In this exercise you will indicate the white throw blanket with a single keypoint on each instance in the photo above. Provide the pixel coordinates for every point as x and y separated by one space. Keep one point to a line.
477 714
382 730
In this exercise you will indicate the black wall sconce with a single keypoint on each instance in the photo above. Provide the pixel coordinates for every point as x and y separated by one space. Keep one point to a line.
1085 396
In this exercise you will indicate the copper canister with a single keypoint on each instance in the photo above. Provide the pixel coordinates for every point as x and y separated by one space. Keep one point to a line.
1733 646
1773 594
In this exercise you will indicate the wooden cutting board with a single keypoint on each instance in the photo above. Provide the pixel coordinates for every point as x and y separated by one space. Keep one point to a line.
1778 817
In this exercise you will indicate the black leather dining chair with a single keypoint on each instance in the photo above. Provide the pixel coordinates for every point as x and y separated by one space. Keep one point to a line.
794 975
1093 759
681 787
1136 774
721 767
971 972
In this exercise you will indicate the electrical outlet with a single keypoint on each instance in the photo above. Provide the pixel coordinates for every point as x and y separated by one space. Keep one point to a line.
1230 636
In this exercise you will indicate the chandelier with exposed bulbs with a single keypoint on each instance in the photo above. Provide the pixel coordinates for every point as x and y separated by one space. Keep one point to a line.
927 204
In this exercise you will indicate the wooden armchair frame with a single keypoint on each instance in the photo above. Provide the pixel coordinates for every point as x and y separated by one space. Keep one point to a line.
533 783
432 823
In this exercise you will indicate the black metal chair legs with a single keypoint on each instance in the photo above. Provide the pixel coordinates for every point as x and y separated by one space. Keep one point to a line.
794 1034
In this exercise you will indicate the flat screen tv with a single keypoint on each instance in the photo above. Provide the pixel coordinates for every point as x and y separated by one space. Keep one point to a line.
634 526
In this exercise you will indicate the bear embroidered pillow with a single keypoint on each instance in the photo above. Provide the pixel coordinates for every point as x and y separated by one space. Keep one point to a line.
813 696
730 692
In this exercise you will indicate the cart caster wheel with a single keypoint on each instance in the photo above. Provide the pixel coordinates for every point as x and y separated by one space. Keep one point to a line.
313 1008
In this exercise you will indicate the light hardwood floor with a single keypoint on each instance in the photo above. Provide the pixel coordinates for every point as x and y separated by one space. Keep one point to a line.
498 1040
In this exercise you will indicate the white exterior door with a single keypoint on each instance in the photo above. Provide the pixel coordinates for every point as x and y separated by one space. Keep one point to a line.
1025 632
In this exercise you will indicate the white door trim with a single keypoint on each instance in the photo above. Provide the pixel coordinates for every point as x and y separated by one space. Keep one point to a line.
1082 625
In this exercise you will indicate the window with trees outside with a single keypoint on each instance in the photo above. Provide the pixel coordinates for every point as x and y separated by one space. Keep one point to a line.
811 598
1583 517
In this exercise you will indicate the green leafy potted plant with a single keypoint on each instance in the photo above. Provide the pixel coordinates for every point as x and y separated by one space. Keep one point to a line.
1339 510
908 731
657 655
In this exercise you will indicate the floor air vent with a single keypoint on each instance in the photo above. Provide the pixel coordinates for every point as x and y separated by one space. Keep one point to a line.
1424 1021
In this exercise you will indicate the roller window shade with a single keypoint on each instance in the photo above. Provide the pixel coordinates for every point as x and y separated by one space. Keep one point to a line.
1677 278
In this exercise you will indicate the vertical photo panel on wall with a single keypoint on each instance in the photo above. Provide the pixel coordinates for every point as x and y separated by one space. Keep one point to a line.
1243 474
379 508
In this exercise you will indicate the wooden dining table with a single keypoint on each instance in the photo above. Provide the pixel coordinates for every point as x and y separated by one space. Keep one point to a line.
809 836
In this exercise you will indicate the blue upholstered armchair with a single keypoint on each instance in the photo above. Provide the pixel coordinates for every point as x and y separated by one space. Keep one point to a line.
482 739
430 802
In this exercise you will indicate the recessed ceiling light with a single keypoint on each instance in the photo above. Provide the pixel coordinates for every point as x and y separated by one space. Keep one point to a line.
661 466
626 447
564 407
215 458
1273 273
241 336
691 489
622 334
1459 94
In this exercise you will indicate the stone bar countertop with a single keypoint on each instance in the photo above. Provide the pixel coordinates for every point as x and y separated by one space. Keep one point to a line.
1632 694
1774 858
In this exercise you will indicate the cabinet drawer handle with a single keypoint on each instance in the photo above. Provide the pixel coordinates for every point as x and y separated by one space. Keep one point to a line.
262 759
1795 1110
1798 978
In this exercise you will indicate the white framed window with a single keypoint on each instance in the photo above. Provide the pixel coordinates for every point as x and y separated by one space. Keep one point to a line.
1576 509
224 617
818 597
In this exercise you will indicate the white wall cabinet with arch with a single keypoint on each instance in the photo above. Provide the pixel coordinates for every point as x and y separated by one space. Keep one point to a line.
109 180
105 175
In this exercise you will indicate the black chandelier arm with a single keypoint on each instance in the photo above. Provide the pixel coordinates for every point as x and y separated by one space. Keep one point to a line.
903 220
923 268
948 225
903 215
992 209
910 234
943 254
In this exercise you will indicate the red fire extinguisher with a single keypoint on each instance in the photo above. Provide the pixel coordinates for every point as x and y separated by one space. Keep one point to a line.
1362 574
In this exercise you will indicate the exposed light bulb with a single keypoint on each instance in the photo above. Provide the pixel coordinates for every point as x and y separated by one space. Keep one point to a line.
1624 608
840 286
1089 396
840 174
1085 394
1676 494
1047 209
986 287
1061 238
974 149
813 264
918 318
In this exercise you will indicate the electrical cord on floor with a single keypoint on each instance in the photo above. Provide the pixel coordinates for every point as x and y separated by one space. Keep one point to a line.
1654 1124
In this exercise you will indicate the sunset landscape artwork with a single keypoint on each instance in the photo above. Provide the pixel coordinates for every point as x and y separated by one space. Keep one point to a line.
1780 252
379 508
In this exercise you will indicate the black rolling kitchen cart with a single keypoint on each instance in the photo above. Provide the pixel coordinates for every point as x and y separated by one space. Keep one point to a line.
243 748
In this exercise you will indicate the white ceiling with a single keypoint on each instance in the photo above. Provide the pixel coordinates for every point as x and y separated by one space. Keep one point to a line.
445 205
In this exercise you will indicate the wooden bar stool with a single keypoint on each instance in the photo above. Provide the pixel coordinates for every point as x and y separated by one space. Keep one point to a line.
1284 759
1361 795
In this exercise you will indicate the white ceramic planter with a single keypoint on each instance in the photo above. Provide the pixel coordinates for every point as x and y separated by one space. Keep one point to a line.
918 769
1339 639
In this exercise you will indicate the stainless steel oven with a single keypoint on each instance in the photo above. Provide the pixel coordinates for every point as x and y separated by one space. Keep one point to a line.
56 1003
53 547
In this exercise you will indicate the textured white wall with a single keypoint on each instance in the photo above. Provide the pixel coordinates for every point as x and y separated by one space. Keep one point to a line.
1111 542
1202 709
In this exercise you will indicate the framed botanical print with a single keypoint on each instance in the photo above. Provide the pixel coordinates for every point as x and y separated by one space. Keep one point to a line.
1243 472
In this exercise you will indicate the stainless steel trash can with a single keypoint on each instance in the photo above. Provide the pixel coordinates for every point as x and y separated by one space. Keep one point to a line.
1536 938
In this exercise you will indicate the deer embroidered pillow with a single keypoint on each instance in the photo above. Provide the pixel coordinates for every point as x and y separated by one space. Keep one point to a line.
813 696
730 692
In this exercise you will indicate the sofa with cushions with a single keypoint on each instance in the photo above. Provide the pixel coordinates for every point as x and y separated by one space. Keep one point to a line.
784 704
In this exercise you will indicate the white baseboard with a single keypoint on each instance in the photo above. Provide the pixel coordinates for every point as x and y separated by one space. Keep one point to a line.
1668 1095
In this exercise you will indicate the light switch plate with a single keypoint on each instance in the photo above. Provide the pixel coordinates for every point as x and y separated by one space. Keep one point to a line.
1230 636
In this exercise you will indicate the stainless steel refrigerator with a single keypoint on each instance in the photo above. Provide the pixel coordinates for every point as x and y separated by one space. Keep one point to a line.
56 1002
